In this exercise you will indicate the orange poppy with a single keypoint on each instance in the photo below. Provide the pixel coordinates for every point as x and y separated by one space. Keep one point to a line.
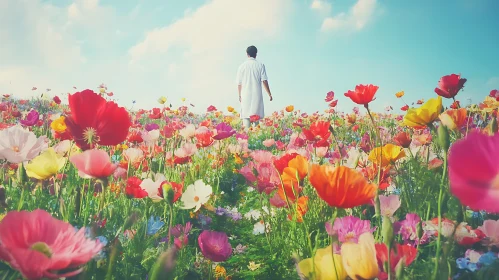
290 108
341 186
301 209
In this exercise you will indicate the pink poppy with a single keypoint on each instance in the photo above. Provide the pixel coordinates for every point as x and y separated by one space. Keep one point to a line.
474 172
215 245
93 164
39 245
389 204
348 228
491 229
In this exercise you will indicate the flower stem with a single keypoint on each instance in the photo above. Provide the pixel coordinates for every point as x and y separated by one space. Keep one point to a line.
439 209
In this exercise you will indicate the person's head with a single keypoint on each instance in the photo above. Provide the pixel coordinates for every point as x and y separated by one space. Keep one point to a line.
251 51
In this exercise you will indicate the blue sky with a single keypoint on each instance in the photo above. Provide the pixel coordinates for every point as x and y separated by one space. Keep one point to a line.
144 49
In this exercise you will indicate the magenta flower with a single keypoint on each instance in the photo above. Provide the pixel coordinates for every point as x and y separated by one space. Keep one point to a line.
223 131
181 234
408 227
349 228
474 171
31 119
151 126
39 245
215 245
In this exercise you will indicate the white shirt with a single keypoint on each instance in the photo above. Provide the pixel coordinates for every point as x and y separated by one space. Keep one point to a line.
250 76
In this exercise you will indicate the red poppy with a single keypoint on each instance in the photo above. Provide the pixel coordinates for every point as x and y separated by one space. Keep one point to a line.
134 137
329 96
283 162
155 114
363 94
455 105
93 120
254 118
318 133
133 188
401 253
405 108
333 103
57 100
211 108
403 139
494 93
450 85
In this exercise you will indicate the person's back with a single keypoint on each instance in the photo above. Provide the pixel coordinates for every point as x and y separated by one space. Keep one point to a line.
250 76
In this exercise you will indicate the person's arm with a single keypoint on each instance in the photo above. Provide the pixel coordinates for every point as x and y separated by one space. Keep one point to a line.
267 88
239 91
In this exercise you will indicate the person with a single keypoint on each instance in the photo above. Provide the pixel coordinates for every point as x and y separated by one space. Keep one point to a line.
250 77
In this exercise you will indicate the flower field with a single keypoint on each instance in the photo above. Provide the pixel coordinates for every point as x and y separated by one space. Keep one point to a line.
92 190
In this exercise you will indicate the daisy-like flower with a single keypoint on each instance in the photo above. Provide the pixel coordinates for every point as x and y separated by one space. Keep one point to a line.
196 195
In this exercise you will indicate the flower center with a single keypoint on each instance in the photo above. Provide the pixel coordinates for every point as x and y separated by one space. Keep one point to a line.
43 248
196 198
349 236
15 149
90 136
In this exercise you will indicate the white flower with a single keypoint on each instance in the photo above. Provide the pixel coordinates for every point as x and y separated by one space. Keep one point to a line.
188 131
196 195
253 215
259 228
151 187
18 145
133 155
150 137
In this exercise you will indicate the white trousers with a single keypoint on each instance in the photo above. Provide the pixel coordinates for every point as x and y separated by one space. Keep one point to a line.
246 122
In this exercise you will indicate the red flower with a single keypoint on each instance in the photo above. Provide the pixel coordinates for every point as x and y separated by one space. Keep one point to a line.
363 94
333 103
450 85
57 100
94 120
133 188
211 108
134 137
254 118
403 139
176 187
494 93
401 253
283 161
405 108
155 114
455 105
466 236
318 133
40 246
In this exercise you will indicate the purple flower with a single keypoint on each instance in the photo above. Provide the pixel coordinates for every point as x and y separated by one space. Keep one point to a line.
408 227
31 119
236 216
220 211
224 131
349 228
180 230
215 245
151 126
205 221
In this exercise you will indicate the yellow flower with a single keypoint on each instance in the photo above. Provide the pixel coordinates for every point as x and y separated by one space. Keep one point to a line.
325 266
238 159
388 154
399 94
290 108
59 125
489 104
359 260
45 165
253 266
230 109
162 100
183 99
220 271
425 114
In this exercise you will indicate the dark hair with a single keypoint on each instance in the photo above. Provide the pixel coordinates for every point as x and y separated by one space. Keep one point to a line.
251 51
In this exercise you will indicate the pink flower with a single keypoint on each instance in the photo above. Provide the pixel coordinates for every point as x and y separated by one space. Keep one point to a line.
389 204
215 245
408 227
329 96
491 229
18 145
268 143
349 228
223 131
39 245
474 171
93 164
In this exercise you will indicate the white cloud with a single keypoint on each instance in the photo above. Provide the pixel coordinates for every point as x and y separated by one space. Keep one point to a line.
357 18
203 45
321 6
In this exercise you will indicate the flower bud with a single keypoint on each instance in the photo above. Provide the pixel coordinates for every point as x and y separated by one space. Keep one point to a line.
443 138
387 232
